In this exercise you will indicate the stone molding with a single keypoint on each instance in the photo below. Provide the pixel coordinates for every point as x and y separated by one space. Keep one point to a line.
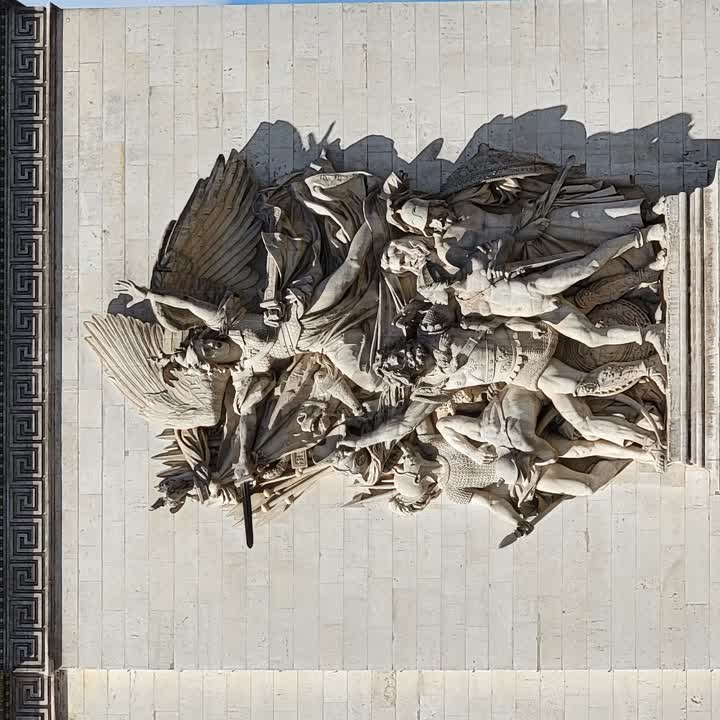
692 293
26 358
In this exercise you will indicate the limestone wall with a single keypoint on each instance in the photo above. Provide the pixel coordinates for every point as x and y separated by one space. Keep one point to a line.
406 695
629 579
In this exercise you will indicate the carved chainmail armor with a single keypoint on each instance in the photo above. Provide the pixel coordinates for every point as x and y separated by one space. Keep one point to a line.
459 475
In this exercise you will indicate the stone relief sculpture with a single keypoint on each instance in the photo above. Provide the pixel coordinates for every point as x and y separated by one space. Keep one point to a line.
500 343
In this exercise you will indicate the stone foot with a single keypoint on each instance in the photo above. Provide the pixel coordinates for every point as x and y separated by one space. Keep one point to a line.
655 456
660 207
655 335
657 373
660 261
651 233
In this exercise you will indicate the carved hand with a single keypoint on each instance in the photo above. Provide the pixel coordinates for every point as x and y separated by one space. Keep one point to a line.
242 474
476 325
486 453
522 325
128 287
202 488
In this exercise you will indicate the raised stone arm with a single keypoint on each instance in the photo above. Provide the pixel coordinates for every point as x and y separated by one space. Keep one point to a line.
334 288
394 428
207 313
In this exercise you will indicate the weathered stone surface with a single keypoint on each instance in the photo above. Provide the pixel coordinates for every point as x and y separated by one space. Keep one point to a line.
692 294
465 695
172 599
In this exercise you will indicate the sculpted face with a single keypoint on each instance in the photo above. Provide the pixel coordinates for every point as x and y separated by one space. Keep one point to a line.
356 464
217 350
411 480
415 213
403 256
412 486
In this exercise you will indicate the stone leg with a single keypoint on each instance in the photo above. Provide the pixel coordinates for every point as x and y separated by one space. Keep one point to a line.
574 324
502 508
579 449
524 439
462 433
609 379
521 408
560 480
598 427
614 378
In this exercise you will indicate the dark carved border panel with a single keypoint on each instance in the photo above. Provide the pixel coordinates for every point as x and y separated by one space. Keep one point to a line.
26 358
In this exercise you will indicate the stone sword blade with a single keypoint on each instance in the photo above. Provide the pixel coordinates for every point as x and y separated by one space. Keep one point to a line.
247 514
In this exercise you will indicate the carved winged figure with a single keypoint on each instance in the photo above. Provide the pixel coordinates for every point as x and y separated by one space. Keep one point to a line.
206 284
202 282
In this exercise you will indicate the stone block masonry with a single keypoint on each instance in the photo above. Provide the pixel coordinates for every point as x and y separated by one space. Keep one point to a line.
628 580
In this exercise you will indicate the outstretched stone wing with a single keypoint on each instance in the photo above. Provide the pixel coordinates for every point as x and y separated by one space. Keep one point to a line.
209 250
130 351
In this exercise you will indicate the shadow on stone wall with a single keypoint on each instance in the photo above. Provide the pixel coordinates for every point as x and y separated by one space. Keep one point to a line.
662 157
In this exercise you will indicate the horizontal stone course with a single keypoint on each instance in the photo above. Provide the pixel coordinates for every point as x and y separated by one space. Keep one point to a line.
405 695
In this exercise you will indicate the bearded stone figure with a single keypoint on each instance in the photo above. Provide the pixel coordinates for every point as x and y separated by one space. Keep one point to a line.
501 343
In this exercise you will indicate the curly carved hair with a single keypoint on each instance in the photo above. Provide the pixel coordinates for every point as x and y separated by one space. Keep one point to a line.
401 505
404 364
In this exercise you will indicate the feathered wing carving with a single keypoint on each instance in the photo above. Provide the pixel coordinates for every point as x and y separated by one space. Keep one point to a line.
210 248
129 349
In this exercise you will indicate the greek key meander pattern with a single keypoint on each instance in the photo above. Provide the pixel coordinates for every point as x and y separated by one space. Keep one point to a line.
26 326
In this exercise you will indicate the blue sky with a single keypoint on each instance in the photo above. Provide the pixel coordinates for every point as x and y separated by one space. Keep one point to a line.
165 3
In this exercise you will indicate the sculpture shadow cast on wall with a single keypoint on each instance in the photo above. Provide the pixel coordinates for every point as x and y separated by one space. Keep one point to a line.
664 157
